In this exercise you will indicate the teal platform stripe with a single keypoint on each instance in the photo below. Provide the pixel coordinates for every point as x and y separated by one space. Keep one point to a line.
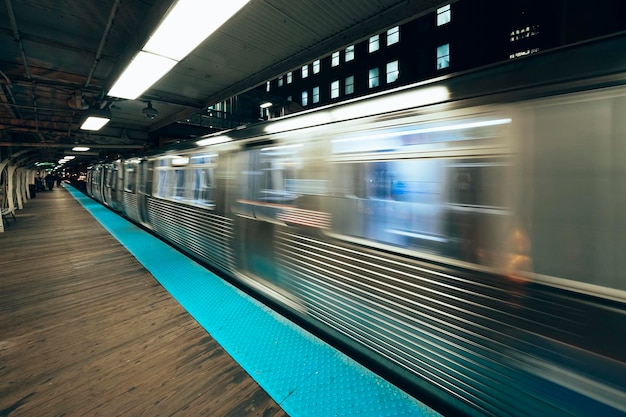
300 372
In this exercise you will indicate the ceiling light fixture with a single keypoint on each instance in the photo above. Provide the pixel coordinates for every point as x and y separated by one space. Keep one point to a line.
95 119
184 27
80 149
94 123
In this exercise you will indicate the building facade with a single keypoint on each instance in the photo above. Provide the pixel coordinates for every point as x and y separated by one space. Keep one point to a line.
455 37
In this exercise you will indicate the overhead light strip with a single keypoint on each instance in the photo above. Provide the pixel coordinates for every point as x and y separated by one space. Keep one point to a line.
185 27
94 123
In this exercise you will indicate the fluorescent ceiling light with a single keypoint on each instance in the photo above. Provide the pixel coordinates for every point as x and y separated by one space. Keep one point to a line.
80 149
266 105
185 27
143 71
188 24
62 161
68 157
94 123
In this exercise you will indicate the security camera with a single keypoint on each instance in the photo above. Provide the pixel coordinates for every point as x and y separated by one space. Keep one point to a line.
150 112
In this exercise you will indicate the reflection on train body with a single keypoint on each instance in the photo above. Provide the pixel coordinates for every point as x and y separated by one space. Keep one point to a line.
470 248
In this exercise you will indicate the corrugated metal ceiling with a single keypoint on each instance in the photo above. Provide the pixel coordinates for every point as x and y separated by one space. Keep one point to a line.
54 50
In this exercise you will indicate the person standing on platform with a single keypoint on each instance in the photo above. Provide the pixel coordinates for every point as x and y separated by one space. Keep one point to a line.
49 181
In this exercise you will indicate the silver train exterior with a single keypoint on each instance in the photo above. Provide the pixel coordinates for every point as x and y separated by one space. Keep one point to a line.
465 237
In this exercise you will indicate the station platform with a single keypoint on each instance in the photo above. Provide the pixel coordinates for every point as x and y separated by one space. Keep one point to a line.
100 318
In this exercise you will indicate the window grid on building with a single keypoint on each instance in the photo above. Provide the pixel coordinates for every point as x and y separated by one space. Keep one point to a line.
444 15
334 89
289 77
373 78
316 95
280 81
392 72
349 87
267 86
305 71
393 35
349 53
334 59
305 98
443 56
374 43
316 66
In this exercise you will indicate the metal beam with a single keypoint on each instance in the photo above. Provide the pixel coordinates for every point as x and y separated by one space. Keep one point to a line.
70 145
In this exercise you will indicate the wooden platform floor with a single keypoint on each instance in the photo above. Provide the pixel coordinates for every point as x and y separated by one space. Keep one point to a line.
85 330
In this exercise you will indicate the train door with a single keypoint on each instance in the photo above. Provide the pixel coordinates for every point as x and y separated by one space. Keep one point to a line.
110 197
262 197
144 189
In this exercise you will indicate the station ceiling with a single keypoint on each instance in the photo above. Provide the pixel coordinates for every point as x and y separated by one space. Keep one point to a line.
58 57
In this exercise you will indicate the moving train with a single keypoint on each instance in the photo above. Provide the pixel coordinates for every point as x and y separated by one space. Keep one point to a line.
464 236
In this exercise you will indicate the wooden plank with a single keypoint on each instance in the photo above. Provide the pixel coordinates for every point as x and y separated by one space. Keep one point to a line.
86 330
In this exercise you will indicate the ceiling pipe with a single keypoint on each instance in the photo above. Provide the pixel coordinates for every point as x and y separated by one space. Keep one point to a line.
103 40
18 39
16 111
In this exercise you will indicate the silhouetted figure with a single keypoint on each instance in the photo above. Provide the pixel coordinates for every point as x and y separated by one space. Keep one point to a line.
49 181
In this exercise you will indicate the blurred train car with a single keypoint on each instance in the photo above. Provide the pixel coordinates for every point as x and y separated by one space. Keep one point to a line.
464 237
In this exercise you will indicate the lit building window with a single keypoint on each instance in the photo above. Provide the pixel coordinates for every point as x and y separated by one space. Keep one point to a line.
316 94
392 72
444 15
443 56
267 86
305 71
393 35
350 53
374 43
289 98
334 60
525 32
289 77
305 98
334 89
316 66
280 81
373 78
349 85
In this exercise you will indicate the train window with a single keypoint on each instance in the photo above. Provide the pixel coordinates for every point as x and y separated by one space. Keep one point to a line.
191 183
476 183
433 205
130 178
202 189
398 202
